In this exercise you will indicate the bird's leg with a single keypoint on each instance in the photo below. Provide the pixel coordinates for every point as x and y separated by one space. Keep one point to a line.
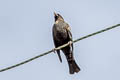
70 43
71 55
54 50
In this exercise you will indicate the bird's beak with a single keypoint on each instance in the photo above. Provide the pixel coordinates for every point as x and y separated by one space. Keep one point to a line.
55 14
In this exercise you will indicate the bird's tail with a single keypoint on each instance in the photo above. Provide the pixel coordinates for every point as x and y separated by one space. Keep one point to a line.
73 67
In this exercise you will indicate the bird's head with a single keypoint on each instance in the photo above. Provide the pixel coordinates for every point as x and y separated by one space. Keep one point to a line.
58 17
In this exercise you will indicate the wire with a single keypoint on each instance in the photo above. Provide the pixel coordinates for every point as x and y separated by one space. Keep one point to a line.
58 48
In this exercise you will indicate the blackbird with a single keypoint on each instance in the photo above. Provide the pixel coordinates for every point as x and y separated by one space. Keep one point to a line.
62 35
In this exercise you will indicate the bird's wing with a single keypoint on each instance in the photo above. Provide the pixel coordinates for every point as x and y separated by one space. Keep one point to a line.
67 27
57 45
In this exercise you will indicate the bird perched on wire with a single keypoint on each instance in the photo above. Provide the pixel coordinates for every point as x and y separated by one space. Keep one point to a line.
62 35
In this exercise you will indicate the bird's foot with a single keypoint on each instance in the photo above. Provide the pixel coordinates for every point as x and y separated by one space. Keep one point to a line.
70 43
54 50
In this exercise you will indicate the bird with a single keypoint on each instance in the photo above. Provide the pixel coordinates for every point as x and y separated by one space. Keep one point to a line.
62 35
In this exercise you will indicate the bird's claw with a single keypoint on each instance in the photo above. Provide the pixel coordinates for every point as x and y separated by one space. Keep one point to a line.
70 43
54 50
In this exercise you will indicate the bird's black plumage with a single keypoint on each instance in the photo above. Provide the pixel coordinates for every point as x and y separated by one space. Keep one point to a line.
62 35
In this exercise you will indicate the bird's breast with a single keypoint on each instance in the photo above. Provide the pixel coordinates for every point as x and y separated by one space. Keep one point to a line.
60 32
